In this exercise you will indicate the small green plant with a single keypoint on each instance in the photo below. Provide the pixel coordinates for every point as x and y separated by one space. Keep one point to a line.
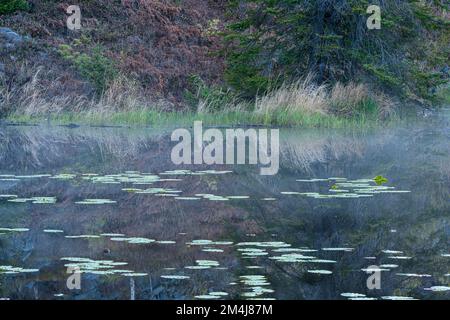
94 65
10 6
379 180
208 98
212 29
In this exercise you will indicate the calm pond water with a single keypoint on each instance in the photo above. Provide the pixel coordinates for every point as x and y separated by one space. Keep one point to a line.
108 201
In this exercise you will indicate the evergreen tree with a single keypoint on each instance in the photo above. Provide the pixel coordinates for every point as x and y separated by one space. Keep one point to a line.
281 40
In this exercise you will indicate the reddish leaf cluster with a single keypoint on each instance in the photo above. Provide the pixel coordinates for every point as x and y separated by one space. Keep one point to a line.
160 43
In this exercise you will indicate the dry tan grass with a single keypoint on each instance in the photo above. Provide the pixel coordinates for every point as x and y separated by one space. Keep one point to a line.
306 97
32 93
386 105
122 95
29 94
302 96
345 99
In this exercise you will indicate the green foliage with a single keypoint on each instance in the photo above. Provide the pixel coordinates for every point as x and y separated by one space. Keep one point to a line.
379 180
94 65
282 40
366 107
443 95
10 6
244 73
213 98
156 118
382 75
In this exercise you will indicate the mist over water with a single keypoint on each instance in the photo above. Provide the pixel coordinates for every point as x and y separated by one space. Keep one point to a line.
110 201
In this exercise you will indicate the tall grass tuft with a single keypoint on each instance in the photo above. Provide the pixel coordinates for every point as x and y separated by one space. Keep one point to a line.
301 96
302 103
305 98
348 99
32 93
27 94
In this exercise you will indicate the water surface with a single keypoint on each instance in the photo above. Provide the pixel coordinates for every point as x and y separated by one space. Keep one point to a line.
110 202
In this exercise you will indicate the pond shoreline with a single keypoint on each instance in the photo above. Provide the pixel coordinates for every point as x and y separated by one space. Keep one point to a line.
228 119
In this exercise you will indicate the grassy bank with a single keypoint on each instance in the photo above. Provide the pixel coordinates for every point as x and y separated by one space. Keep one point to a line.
300 104
232 118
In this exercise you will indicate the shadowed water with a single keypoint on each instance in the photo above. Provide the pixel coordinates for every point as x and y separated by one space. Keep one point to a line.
110 202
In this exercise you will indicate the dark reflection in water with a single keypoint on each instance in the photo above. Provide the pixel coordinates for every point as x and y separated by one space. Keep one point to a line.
266 243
